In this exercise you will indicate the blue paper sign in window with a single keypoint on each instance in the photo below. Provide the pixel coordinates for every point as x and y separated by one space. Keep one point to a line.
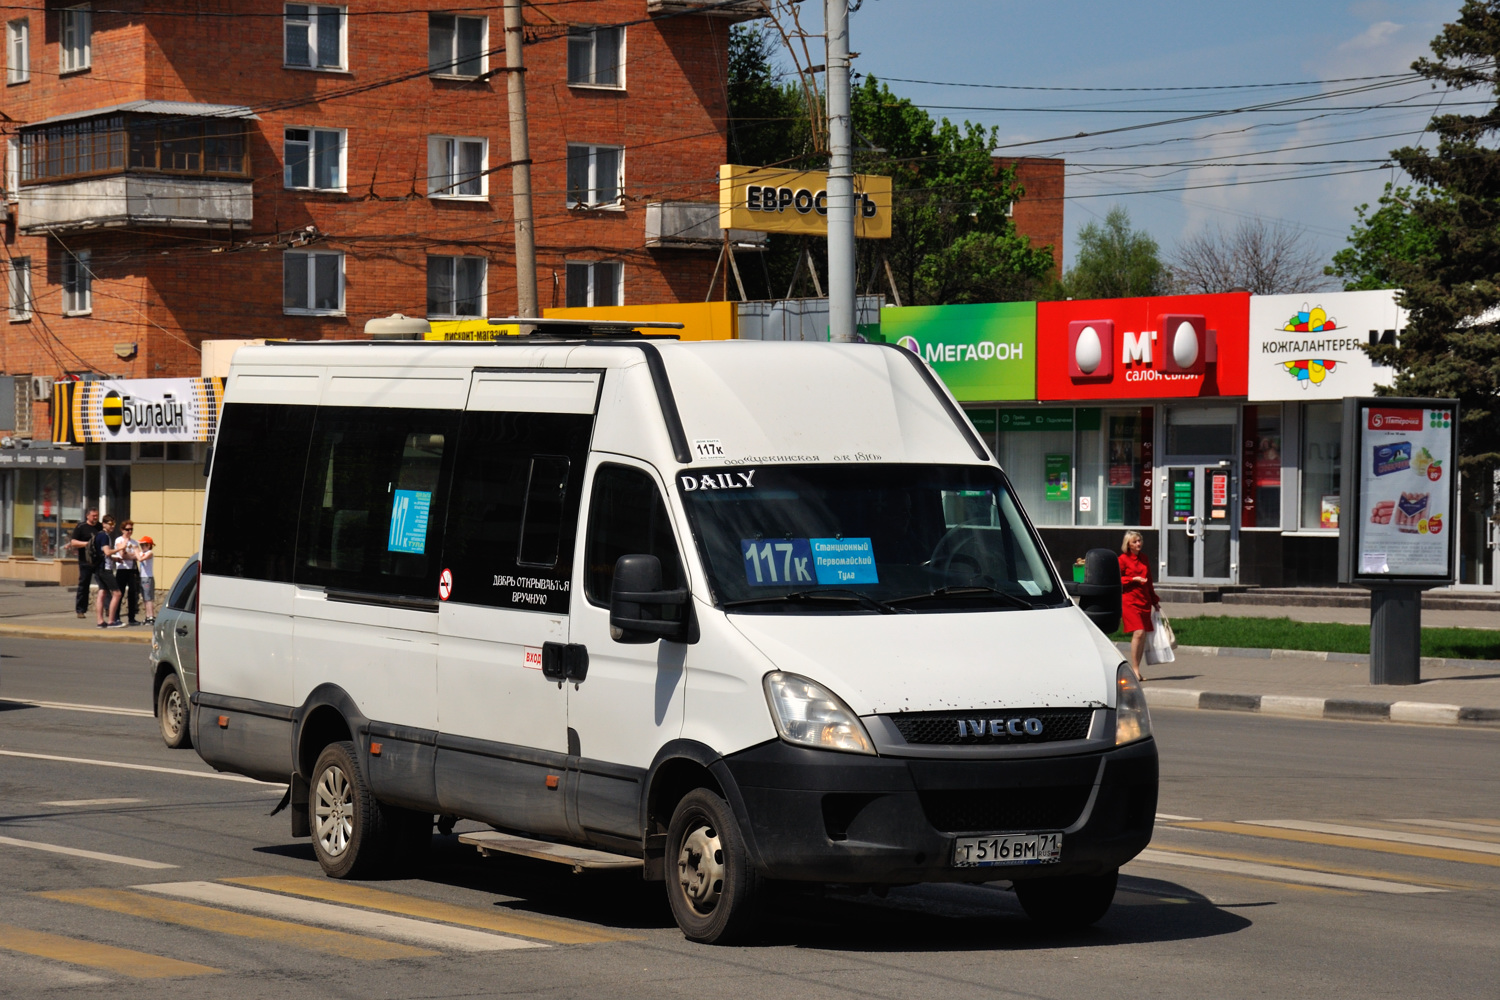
409 511
781 562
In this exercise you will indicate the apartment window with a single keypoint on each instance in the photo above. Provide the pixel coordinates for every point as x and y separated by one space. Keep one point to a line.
315 158
75 38
77 284
312 283
456 46
455 286
595 176
314 36
167 144
456 167
599 283
12 169
596 57
18 51
19 288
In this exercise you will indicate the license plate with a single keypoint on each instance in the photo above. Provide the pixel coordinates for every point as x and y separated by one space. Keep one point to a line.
1010 849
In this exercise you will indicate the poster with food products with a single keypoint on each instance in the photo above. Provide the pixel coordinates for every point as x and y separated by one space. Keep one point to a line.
1406 477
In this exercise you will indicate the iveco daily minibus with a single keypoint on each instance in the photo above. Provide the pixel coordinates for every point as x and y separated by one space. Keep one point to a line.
740 611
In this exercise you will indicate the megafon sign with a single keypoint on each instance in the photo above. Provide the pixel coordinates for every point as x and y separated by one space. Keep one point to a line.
1168 346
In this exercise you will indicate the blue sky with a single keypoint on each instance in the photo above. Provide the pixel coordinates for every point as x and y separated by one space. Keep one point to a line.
1173 43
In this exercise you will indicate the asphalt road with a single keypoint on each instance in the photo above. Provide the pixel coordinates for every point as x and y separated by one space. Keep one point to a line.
1292 858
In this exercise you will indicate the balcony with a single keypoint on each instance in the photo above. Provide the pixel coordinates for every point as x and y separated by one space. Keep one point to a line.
693 225
745 10
146 163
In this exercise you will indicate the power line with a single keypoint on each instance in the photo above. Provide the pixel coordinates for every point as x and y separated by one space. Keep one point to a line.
1116 90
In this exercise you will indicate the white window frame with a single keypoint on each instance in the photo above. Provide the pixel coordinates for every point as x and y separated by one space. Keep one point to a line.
312 160
78 21
18 288
450 72
617 204
592 34
451 262
443 160
312 38
310 272
18 51
13 170
591 265
77 280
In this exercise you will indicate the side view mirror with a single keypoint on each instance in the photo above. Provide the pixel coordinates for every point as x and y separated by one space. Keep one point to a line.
639 609
1099 593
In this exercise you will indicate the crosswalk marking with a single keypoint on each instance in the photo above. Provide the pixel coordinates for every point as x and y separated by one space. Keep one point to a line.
22 974
140 713
136 767
80 803
1395 836
78 852
503 922
136 964
1492 827
420 932
1358 843
207 918
1280 873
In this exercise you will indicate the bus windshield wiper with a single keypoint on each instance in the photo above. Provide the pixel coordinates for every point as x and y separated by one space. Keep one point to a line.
976 591
830 594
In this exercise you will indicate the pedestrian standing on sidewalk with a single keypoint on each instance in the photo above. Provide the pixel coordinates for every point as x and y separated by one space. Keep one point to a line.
126 553
83 534
144 562
1137 597
103 546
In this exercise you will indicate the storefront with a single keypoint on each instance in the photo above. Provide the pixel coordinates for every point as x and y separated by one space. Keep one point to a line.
42 497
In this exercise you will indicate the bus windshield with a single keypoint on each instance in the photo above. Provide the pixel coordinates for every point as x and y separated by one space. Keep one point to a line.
867 539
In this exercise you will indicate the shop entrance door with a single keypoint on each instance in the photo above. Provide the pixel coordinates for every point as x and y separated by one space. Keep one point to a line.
1199 536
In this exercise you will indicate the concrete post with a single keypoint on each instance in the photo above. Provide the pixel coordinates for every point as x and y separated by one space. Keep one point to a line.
1395 635
520 155
841 326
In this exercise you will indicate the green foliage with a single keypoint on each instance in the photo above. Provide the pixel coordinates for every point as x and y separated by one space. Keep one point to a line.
1325 637
1382 240
1115 261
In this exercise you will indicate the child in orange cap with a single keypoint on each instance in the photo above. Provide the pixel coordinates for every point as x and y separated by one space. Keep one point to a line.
148 577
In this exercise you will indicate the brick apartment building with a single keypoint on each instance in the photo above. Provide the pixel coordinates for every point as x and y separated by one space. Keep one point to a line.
1038 213
179 171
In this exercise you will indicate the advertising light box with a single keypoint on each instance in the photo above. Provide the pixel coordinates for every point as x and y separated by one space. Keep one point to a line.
983 353
1311 346
1400 491
778 200
1145 348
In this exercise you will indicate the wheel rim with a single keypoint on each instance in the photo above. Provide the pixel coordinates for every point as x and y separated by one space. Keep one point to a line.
333 807
173 712
700 867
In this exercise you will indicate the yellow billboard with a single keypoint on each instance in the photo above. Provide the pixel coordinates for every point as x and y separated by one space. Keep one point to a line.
470 329
700 320
777 200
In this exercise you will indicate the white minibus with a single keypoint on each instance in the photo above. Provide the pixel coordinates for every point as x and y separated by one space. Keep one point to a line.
738 612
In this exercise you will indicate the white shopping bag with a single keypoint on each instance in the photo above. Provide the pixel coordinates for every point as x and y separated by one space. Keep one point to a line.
1158 642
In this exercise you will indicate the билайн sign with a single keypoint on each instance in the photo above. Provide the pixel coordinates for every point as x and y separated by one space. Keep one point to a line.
776 200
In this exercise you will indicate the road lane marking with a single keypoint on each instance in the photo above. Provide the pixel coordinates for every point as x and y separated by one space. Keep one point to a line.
74 803
67 706
1356 843
1286 862
1450 824
1371 833
137 767
22 970
1278 873
501 921
208 918
75 852
1169 818
307 911
136 964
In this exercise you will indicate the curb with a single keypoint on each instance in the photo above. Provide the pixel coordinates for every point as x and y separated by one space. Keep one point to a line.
138 637
1434 662
1421 713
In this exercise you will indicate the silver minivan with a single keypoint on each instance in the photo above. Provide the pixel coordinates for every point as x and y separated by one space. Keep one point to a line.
174 658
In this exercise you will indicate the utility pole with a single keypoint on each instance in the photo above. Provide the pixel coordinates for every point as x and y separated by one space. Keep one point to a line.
840 176
520 156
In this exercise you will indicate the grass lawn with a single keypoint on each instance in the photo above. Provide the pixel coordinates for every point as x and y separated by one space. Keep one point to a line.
1283 633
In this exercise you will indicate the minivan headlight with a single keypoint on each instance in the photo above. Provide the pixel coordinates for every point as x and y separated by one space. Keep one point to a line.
808 714
1132 721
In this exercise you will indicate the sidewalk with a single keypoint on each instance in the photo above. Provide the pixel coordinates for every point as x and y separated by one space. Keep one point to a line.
47 613
1352 616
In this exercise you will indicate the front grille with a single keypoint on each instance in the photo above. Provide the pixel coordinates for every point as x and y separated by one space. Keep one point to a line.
959 728
998 810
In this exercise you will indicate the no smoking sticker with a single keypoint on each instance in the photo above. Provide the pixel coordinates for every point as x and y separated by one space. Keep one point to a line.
445 584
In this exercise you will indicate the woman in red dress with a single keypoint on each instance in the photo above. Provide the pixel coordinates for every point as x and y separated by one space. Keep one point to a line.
1137 597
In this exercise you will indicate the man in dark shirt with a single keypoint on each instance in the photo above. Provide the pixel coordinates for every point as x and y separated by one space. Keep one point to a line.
83 534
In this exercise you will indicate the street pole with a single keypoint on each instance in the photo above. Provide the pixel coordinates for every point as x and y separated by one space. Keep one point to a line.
840 176
520 156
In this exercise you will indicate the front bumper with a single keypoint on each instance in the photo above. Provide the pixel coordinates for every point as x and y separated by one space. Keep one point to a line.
815 815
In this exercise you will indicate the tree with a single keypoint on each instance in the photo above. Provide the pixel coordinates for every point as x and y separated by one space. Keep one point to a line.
1115 261
1381 240
1451 278
1267 259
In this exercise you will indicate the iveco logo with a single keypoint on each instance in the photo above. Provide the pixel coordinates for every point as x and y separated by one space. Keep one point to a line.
1000 727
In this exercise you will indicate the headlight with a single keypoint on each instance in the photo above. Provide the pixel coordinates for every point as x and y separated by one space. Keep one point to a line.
808 714
1132 721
